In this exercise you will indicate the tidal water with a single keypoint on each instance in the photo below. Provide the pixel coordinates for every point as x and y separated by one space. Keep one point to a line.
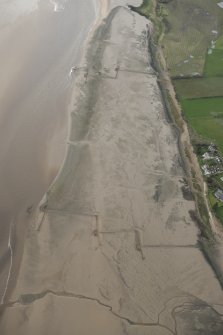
39 43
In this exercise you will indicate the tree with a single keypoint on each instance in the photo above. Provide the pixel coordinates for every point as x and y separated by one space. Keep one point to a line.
215 207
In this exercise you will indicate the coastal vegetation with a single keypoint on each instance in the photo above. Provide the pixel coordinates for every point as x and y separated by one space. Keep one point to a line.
203 87
205 116
191 28
155 11
190 35
202 98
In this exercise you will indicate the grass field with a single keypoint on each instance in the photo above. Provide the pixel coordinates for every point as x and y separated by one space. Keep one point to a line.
217 209
219 43
145 9
212 198
205 116
190 28
211 83
214 64
219 213
199 87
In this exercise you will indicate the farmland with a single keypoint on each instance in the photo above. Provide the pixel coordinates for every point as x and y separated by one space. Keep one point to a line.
205 116
199 87
191 27
214 63
202 98
193 48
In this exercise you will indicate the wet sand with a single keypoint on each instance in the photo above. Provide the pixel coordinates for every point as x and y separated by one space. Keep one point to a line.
114 249
39 43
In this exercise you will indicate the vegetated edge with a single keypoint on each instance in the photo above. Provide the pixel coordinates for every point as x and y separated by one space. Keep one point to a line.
177 121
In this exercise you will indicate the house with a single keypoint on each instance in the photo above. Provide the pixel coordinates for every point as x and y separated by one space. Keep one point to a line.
212 148
207 156
206 170
219 194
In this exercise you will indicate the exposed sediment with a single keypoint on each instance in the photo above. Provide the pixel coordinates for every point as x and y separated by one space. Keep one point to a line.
116 250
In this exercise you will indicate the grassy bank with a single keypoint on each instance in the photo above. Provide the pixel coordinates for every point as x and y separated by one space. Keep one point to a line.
202 98
191 28
199 87
205 116
193 50
153 10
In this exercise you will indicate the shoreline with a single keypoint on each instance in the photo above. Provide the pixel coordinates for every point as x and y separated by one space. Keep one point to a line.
37 213
206 237
10 248
104 237
210 237
103 11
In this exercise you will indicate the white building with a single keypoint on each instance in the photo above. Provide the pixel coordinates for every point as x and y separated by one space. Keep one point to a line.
205 169
219 194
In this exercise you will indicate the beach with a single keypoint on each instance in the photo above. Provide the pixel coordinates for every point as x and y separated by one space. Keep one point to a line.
113 247
40 41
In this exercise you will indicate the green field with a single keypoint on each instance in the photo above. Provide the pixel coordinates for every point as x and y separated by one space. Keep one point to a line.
212 198
216 205
202 98
211 83
219 213
199 87
214 64
214 60
205 116
145 9
190 28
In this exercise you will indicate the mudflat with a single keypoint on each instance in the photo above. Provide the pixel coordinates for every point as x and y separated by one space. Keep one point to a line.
39 43
113 249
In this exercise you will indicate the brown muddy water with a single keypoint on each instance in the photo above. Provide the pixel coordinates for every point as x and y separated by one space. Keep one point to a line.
39 43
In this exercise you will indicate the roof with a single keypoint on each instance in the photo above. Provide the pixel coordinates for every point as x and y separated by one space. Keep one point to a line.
219 194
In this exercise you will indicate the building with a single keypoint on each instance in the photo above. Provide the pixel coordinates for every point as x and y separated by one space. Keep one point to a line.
212 148
207 156
219 194
206 170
